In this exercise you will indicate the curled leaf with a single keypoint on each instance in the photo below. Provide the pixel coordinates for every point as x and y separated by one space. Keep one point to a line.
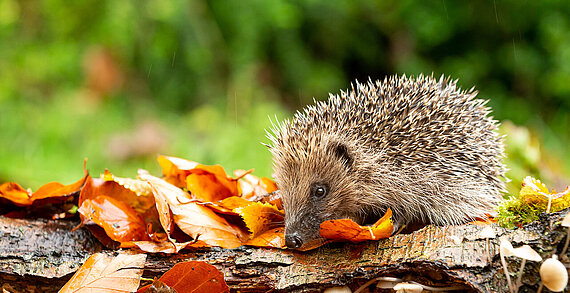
260 217
346 229
121 222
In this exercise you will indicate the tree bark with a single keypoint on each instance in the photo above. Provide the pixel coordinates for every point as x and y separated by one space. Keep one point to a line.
41 255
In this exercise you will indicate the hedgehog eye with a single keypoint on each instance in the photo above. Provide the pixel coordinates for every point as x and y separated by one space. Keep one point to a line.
320 191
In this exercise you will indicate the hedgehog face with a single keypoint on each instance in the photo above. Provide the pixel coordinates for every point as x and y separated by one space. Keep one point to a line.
316 186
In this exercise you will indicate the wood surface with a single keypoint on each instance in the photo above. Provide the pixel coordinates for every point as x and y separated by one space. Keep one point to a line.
41 255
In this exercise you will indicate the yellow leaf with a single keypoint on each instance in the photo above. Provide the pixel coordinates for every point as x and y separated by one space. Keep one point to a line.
103 273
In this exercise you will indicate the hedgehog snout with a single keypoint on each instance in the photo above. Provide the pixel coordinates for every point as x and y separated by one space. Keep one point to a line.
293 240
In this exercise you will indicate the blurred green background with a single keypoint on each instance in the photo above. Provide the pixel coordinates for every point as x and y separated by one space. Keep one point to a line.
119 82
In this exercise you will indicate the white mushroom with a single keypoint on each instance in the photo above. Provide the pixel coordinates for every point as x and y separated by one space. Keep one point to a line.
553 275
408 288
526 253
506 249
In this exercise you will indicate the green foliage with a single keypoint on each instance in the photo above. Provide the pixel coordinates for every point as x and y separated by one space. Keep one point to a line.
515 212
209 73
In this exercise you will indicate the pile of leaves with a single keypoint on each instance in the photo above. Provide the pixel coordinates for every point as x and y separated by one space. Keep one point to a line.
192 205
533 199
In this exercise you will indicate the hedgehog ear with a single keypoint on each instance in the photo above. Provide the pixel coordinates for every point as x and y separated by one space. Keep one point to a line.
340 150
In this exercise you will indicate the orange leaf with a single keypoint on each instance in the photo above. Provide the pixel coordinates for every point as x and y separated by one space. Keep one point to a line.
194 219
162 246
15 193
206 183
252 185
209 187
103 273
227 205
346 229
195 277
271 238
22 197
120 221
97 186
259 217
56 189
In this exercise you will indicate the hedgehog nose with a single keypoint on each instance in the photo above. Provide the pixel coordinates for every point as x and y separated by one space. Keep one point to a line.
293 240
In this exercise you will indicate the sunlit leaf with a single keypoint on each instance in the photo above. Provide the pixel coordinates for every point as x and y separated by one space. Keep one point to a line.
56 189
259 217
103 273
347 230
15 193
536 193
206 183
22 197
193 277
270 238
98 186
227 205
251 185
165 246
195 220
121 222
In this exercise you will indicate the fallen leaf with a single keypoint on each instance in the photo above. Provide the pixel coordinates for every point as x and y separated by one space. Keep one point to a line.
251 185
121 222
346 229
535 192
144 198
97 186
193 276
56 189
194 219
274 238
165 246
259 217
15 193
273 198
227 205
21 197
103 273
205 183
159 287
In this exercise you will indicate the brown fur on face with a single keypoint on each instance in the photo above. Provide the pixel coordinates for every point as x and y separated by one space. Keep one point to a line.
330 166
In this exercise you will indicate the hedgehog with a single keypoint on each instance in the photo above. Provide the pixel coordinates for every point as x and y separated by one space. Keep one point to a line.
422 147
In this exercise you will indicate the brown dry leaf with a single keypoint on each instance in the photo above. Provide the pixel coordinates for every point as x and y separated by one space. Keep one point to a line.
121 222
140 188
260 217
54 190
197 221
193 276
346 229
15 193
227 205
205 183
166 246
103 273
274 238
252 185
98 186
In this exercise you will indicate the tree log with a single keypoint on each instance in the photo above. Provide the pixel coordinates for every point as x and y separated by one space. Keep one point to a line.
41 255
